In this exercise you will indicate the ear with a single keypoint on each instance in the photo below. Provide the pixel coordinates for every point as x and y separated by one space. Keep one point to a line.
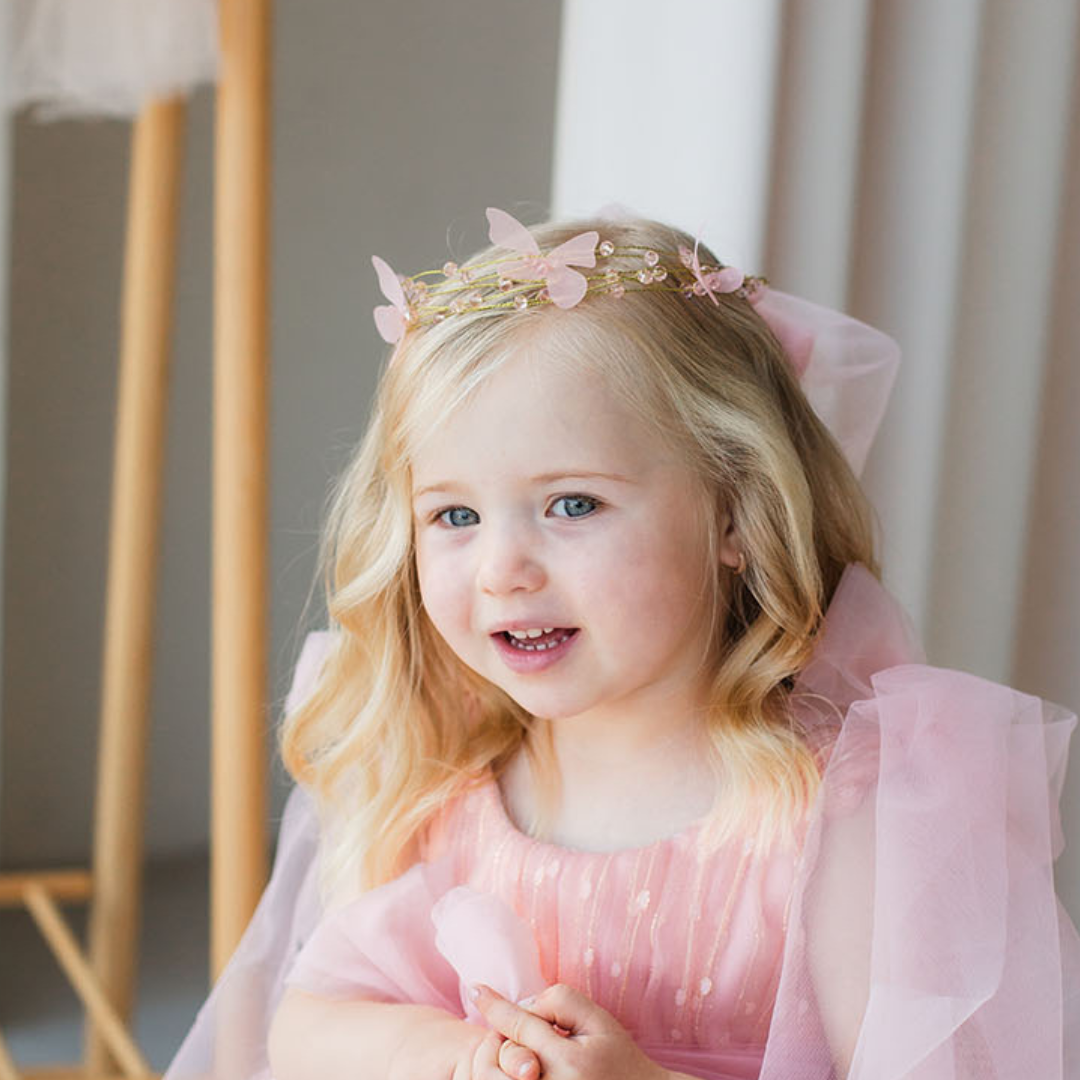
731 542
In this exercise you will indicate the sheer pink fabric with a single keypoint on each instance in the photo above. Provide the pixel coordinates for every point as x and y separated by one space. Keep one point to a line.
912 932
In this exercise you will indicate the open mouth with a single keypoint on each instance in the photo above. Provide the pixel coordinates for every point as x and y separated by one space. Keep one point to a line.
551 640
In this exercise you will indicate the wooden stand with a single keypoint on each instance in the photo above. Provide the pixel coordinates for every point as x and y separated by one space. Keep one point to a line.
105 979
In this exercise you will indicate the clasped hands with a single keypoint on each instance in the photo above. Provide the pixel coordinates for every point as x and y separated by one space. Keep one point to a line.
561 1035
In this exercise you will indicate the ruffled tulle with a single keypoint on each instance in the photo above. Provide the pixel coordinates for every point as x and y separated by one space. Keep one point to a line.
925 939
107 57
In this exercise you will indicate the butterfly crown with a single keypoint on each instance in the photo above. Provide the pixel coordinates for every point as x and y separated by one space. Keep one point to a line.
532 278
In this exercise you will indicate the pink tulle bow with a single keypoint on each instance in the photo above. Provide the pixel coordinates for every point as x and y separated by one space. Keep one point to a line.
391 319
566 287
724 280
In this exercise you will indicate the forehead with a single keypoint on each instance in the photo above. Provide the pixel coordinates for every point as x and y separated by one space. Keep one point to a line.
537 415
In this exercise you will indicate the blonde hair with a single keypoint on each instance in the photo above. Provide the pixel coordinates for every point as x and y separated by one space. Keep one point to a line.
397 724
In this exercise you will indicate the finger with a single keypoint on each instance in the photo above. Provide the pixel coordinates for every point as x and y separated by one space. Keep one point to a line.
518 1061
573 1012
486 1058
516 1023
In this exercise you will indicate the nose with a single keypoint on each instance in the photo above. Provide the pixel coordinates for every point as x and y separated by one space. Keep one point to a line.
509 560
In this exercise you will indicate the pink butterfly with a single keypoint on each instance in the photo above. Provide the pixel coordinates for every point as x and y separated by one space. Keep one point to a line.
725 280
392 318
565 286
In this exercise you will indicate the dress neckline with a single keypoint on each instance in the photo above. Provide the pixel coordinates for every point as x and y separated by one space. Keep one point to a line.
492 793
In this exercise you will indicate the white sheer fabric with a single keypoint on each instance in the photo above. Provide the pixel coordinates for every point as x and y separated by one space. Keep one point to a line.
107 57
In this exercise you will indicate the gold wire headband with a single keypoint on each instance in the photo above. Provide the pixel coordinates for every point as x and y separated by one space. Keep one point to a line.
531 278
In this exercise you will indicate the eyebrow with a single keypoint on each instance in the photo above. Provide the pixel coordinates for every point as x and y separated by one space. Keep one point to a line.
543 478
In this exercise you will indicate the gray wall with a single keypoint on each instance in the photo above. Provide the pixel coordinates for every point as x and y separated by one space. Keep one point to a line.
394 125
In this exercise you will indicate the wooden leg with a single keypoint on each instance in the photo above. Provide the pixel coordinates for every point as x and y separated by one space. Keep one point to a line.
145 332
239 812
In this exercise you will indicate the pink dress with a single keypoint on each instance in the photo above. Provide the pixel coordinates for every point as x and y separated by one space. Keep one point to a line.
911 933
684 948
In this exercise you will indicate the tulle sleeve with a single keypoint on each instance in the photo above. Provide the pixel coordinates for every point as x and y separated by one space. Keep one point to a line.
228 1038
925 938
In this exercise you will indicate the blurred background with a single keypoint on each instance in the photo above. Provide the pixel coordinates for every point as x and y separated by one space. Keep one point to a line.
916 162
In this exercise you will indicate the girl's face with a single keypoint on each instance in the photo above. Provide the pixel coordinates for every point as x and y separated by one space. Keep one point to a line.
544 504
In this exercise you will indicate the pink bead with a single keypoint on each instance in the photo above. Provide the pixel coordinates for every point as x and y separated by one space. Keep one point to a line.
521 302
644 276
651 258
659 273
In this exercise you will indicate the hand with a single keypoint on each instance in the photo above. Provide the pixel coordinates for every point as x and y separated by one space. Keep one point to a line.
497 1058
572 1036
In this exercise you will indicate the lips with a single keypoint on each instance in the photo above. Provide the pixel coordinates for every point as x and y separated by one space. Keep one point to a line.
533 655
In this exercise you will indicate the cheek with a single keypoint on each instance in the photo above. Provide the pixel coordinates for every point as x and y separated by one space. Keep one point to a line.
657 577
442 589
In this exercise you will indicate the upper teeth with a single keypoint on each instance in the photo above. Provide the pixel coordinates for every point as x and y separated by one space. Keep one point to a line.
522 634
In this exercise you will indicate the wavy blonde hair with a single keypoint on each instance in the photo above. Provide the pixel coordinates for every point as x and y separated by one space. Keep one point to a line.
397 724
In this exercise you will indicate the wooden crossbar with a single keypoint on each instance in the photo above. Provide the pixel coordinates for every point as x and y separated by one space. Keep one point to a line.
70 956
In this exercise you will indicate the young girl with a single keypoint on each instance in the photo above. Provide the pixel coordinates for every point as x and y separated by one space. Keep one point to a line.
619 761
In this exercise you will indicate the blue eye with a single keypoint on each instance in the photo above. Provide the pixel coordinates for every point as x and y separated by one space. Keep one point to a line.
574 504
441 515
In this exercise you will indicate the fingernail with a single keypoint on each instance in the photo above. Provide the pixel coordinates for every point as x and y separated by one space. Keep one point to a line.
474 992
525 1069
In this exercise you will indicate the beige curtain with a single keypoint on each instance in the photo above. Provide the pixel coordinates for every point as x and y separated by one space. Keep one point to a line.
916 163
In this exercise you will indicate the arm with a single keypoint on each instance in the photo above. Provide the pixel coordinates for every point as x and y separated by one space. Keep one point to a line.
315 1038
840 914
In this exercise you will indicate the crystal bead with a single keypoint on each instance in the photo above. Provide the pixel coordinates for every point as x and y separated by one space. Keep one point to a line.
618 290
645 277
589 957
521 302
439 316
543 296
686 257
449 268
659 273
698 288
606 248
505 284
705 986
651 258
616 969
466 275
688 291
611 276
642 900
680 997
